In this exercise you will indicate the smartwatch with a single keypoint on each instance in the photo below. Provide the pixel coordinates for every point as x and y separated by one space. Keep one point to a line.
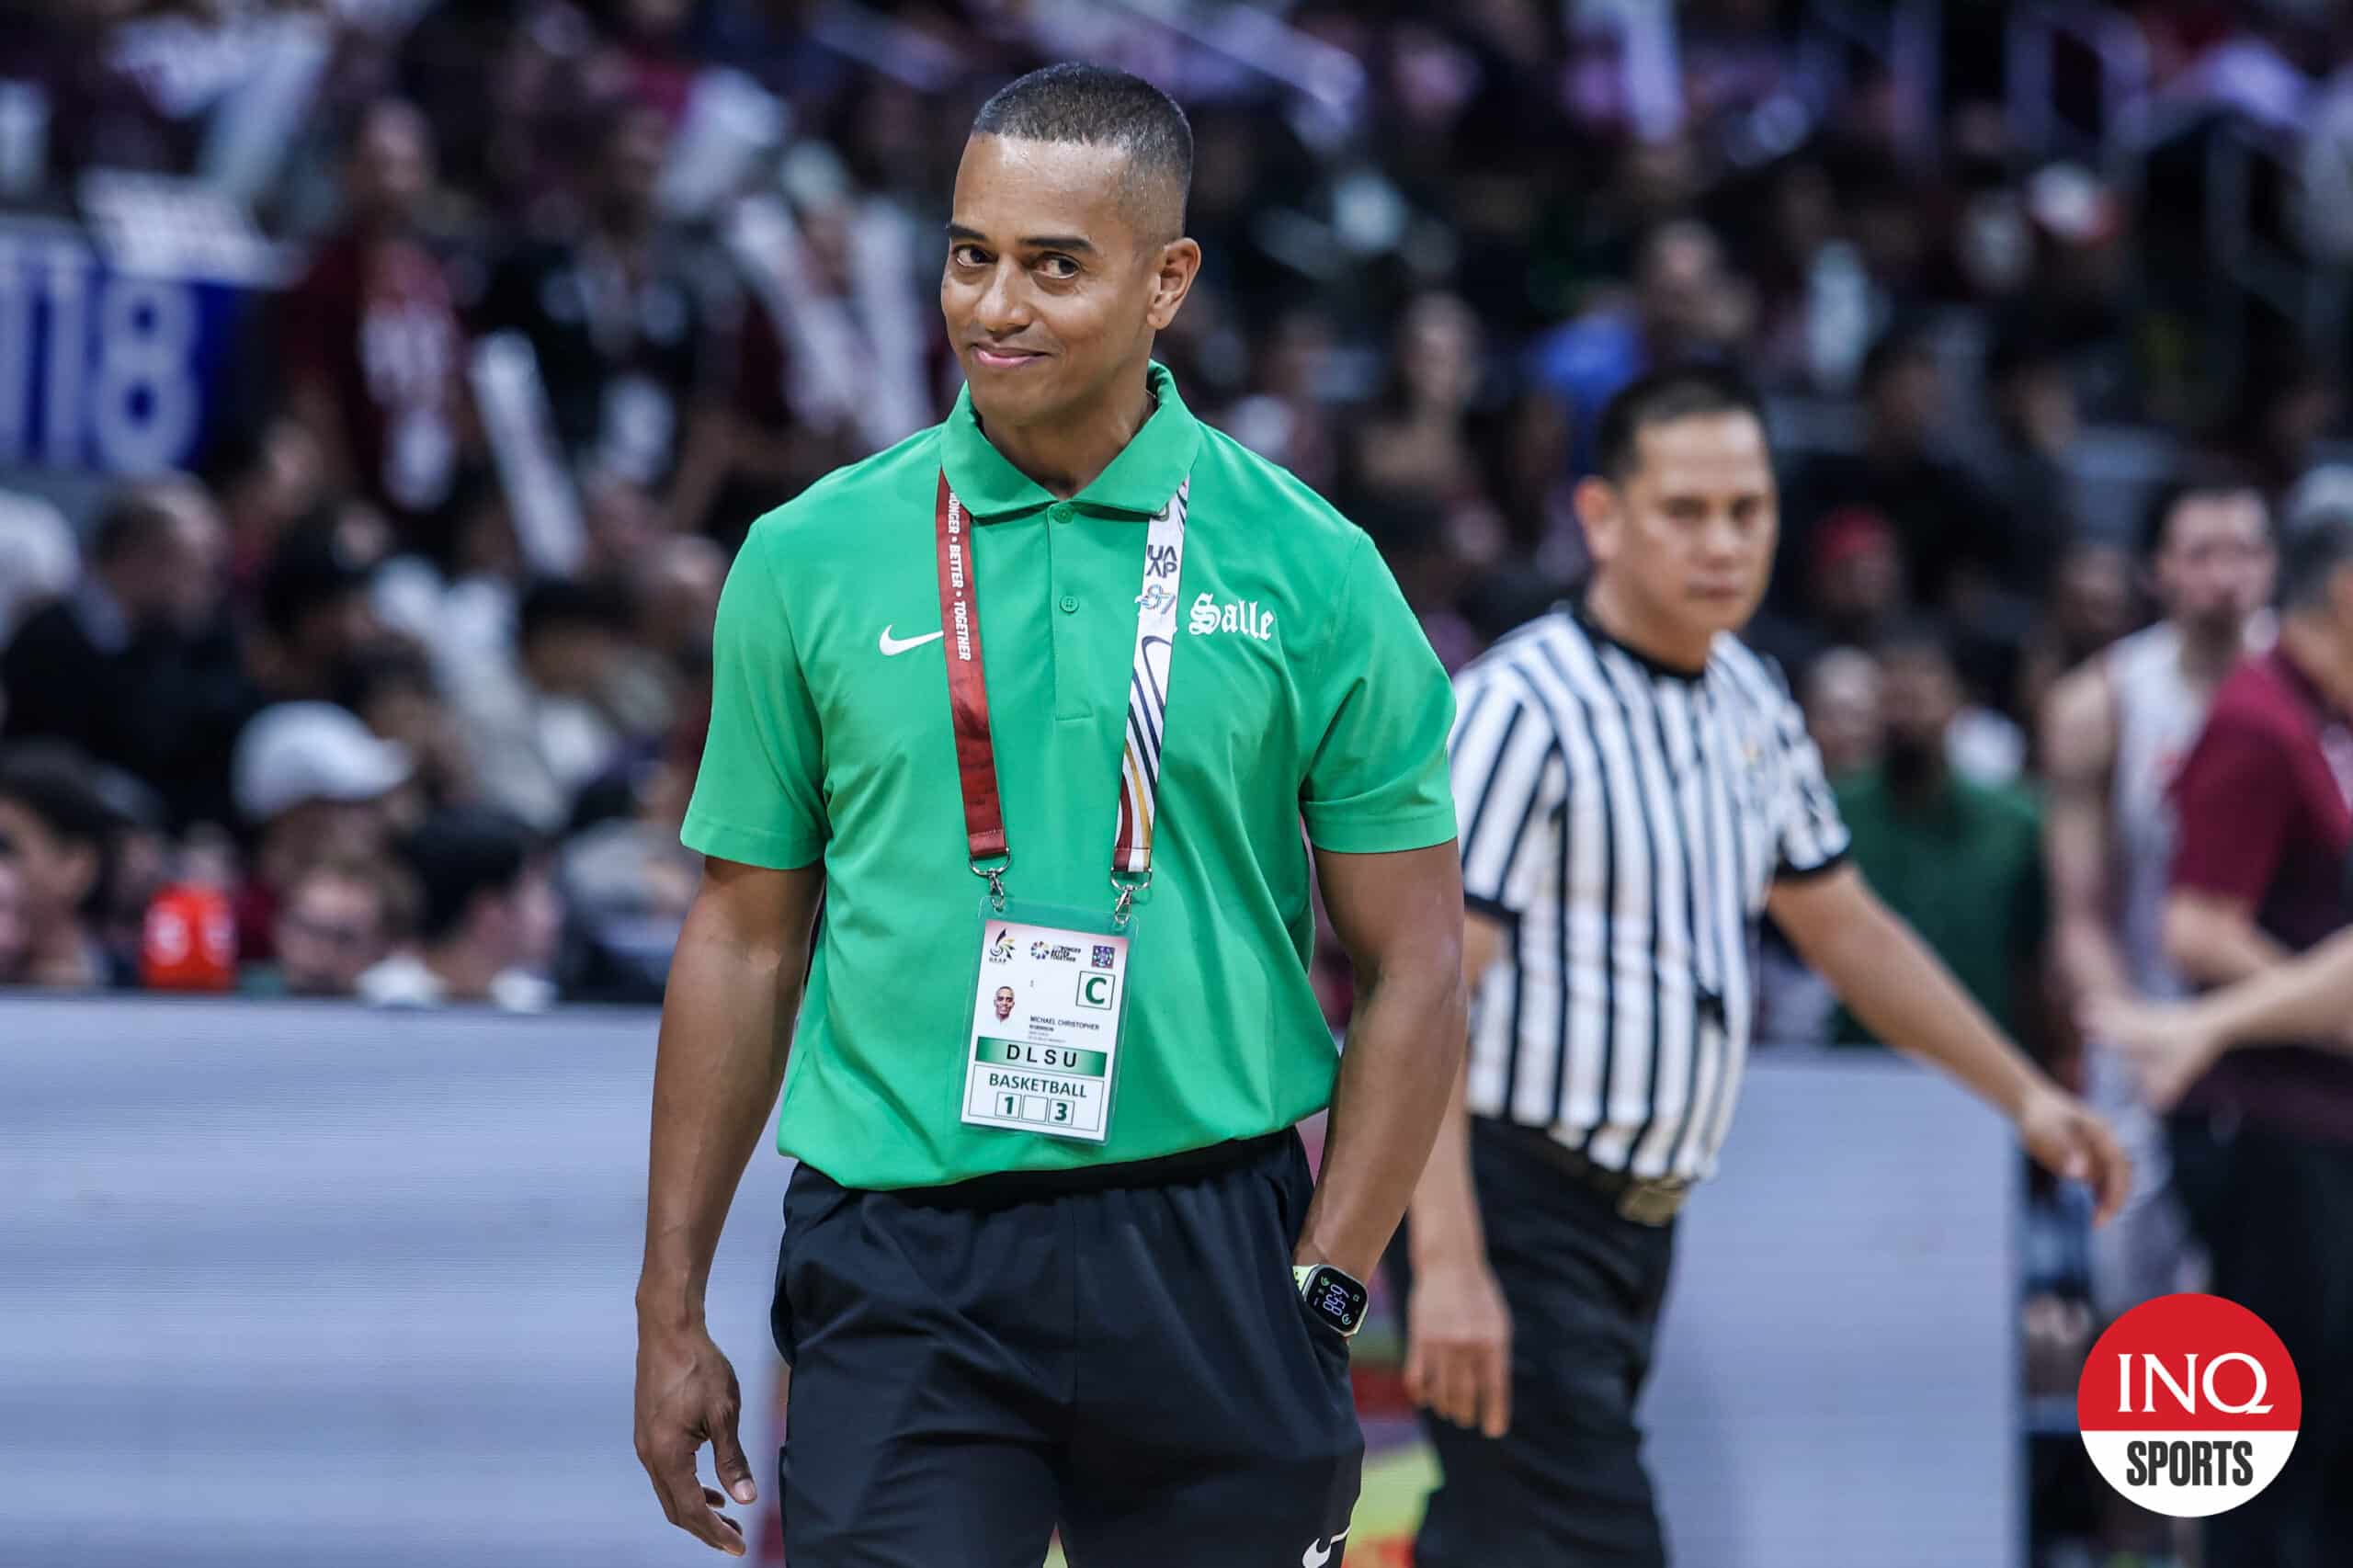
1333 1295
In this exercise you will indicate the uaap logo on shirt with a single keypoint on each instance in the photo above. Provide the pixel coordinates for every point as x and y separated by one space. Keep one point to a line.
1000 950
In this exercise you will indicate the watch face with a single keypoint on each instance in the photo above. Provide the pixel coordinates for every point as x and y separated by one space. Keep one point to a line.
1337 1299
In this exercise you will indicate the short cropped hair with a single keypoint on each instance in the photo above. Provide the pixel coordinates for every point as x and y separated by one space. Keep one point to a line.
1678 391
1097 106
457 855
57 787
2317 542
2205 477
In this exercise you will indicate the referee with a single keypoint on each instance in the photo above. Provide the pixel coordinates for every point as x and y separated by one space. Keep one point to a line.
1039 700
1635 789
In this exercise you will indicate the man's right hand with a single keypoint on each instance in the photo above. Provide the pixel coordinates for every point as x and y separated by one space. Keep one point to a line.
1457 1349
687 1396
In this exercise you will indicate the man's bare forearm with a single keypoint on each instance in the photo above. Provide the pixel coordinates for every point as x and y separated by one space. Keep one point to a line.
726 1029
1900 991
1445 1227
1402 1068
1445 1206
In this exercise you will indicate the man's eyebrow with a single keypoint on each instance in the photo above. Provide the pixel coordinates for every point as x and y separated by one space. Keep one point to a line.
1028 242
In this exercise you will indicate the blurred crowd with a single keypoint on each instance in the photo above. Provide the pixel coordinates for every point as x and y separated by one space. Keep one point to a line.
398 690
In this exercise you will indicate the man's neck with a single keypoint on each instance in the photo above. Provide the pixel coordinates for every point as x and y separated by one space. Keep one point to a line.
1063 457
1678 650
2318 650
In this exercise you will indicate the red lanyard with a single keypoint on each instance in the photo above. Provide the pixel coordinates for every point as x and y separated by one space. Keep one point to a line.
968 697
968 690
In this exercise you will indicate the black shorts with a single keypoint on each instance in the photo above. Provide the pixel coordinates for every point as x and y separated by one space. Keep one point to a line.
975 1365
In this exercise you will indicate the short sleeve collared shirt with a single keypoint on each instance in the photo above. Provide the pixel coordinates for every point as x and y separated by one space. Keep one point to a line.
1302 689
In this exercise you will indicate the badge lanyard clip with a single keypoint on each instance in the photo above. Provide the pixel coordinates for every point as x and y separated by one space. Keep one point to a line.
968 701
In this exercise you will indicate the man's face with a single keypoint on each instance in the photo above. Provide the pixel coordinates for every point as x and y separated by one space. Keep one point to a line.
391 168
634 165
330 931
1908 402
1004 1003
1688 532
174 580
1842 710
2214 567
1050 292
1922 696
1681 282
56 873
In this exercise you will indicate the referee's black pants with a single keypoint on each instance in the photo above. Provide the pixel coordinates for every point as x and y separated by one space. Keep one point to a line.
974 1365
2275 1213
1565 1487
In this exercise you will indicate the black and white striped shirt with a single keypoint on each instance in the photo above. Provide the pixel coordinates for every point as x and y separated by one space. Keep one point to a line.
1625 821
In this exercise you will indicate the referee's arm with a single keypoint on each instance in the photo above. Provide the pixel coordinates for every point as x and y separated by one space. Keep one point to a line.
1903 993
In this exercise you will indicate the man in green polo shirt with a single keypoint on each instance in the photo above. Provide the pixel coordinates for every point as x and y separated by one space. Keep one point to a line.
1039 701
1960 861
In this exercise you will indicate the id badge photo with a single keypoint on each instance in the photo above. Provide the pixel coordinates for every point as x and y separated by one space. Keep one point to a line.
1049 1000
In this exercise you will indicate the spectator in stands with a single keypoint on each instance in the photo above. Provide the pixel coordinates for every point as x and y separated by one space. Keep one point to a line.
340 918
376 357
1843 698
1949 530
1851 588
16 914
541 730
315 607
487 918
626 349
1963 862
61 835
1686 305
2090 606
2036 419
389 686
265 478
135 668
310 782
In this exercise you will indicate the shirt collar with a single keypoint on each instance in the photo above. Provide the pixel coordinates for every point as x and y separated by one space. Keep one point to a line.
1137 482
1583 614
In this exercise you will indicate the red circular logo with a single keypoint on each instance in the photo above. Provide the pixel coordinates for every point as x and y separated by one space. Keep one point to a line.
2190 1404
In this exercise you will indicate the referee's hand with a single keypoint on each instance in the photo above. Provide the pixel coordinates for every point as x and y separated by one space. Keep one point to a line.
687 1396
2068 1140
1458 1351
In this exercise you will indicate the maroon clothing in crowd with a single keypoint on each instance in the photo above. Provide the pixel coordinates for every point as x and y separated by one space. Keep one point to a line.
2266 812
373 328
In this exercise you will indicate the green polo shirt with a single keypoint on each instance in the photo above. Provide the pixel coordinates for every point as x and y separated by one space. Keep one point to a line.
1964 867
1300 687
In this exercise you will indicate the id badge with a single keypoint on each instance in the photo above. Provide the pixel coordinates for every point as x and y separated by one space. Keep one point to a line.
1044 1043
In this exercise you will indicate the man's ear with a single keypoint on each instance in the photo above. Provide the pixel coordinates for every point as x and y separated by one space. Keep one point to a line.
1597 510
1179 263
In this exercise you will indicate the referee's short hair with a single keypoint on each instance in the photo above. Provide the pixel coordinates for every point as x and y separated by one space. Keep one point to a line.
1679 391
1097 106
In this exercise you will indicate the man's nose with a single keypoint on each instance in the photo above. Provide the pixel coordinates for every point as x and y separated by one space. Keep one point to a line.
1003 307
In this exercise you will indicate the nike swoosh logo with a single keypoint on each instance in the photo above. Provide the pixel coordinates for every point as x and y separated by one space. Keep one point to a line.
1320 1553
894 646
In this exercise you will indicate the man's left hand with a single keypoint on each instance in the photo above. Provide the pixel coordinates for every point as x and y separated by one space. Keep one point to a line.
2067 1139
